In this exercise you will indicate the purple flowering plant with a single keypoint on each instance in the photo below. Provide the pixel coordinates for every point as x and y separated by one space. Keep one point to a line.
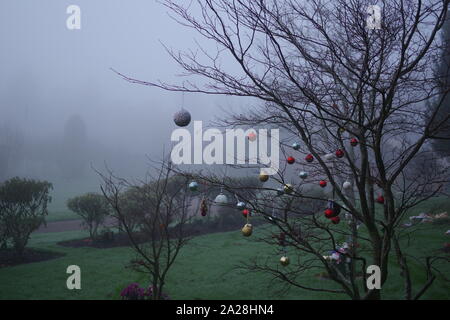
134 292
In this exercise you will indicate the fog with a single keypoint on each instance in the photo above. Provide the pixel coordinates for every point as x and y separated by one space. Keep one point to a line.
61 105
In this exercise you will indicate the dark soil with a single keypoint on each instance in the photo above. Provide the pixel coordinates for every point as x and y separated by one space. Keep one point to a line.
122 240
10 258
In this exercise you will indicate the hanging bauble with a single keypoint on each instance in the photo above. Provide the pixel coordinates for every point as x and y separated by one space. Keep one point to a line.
284 261
290 160
251 136
247 230
303 174
240 205
341 130
263 177
336 208
380 200
329 156
339 153
280 191
182 118
203 208
245 212
346 185
309 158
221 199
335 220
296 146
322 183
330 213
354 142
288 188
193 186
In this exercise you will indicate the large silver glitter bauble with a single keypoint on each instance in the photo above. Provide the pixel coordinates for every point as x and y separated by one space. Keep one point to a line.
182 118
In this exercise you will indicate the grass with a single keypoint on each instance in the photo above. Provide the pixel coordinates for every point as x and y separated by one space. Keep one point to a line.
205 269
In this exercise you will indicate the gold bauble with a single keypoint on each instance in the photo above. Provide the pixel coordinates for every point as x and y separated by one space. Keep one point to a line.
288 188
263 177
247 230
284 261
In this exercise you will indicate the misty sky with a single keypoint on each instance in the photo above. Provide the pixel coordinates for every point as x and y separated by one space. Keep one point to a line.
49 72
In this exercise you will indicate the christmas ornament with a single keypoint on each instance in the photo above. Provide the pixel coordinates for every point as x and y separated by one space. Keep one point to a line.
203 207
341 130
335 220
380 200
339 153
290 160
240 205
193 186
288 188
263 177
354 142
303 174
284 261
245 212
346 185
221 199
247 230
295 146
251 136
334 207
323 183
309 158
182 118
330 213
328 156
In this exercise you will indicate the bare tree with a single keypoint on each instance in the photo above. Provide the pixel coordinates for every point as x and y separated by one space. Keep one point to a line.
336 86
159 234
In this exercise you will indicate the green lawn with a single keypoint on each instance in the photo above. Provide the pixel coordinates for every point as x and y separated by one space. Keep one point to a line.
61 216
205 270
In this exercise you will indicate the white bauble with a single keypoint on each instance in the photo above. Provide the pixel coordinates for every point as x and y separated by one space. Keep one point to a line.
346 185
329 156
221 199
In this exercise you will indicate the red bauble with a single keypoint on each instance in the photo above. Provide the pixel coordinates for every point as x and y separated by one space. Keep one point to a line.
335 220
290 160
329 213
339 153
245 212
323 183
380 199
203 213
309 158
354 142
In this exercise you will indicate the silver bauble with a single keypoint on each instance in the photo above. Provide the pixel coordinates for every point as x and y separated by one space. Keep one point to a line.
182 118
303 174
193 186
240 205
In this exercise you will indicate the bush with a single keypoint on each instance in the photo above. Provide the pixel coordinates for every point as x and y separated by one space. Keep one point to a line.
23 207
92 208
